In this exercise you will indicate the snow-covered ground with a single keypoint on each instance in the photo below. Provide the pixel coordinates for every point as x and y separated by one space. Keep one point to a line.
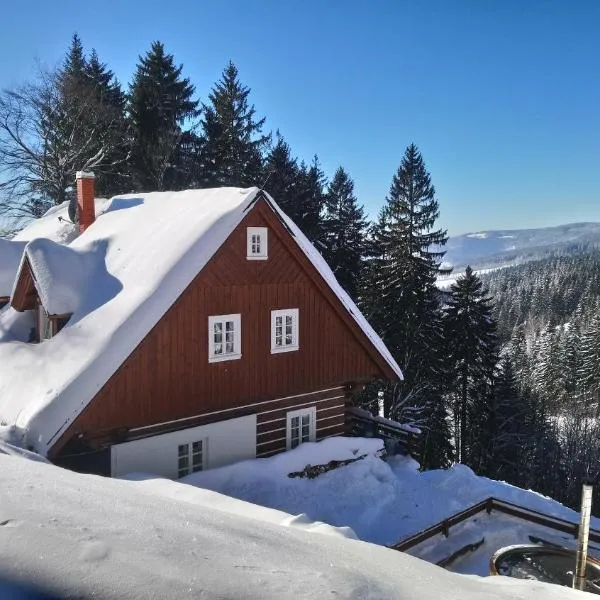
88 536
385 502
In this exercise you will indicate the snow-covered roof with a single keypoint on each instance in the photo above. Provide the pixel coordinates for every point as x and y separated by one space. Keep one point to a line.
53 225
118 279
61 273
10 258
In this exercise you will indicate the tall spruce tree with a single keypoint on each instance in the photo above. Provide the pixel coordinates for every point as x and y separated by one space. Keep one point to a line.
310 201
111 174
590 361
160 106
344 228
407 263
507 427
407 252
233 142
280 176
470 330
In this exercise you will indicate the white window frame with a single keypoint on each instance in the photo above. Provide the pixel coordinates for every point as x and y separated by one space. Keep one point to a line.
252 252
311 412
44 324
294 313
237 337
191 454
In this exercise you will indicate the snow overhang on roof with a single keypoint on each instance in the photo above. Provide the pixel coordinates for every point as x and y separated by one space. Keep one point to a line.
10 259
61 273
118 279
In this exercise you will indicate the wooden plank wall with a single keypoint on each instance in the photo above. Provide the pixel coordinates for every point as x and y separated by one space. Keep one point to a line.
168 376
272 422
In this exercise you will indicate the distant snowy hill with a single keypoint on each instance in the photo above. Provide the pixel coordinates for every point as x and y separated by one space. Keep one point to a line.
488 249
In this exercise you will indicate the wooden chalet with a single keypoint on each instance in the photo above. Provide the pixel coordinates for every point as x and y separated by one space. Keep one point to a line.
259 352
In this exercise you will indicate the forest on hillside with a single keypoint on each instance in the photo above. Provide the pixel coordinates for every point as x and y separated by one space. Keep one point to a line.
500 379
548 315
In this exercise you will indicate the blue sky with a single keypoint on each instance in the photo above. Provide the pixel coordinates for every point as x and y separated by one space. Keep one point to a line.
502 98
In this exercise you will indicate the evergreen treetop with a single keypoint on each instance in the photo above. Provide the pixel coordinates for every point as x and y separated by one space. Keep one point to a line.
160 103
281 176
344 228
233 138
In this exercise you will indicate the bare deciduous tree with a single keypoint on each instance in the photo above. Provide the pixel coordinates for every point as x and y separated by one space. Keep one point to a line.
48 132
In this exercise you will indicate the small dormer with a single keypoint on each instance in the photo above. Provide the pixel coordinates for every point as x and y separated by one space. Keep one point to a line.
26 297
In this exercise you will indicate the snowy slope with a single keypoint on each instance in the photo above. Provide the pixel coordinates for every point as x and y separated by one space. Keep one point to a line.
384 502
504 247
87 536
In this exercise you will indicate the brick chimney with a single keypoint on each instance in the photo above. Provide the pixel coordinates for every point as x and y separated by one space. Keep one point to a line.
86 209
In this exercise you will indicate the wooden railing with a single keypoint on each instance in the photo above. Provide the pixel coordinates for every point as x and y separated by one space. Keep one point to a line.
368 426
490 504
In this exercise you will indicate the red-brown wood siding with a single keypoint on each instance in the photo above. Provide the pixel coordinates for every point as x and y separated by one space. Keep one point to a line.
272 422
25 295
168 375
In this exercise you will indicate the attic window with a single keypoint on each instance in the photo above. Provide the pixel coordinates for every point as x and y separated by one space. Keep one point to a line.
257 243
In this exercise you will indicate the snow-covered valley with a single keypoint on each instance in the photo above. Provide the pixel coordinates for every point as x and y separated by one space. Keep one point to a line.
497 248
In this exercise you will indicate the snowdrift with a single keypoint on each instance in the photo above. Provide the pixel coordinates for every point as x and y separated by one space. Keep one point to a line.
80 535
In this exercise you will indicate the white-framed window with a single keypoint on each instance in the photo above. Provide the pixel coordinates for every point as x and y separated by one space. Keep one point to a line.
257 243
224 338
45 324
301 427
284 330
190 458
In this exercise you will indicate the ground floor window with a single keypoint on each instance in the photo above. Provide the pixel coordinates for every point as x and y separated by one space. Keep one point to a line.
190 458
301 426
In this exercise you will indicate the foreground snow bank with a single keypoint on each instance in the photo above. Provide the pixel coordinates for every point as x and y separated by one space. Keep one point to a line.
81 535
383 502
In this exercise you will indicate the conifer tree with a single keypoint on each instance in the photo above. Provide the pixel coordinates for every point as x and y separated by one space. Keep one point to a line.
310 201
111 174
471 332
406 262
401 300
517 350
571 363
344 227
233 142
74 64
160 105
590 362
281 177
507 426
